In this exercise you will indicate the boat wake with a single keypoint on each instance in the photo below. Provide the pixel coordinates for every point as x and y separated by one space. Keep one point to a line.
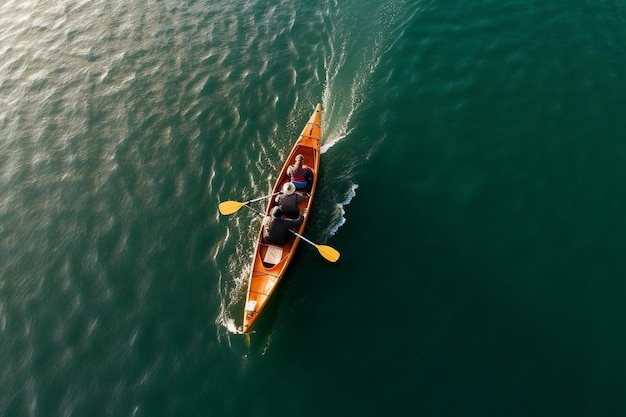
229 323
349 75
225 319
339 108
342 213
232 293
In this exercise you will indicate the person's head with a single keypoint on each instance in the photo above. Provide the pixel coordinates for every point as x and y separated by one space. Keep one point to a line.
289 188
277 212
299 161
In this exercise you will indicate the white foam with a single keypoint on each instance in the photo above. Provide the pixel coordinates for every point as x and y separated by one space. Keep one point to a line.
349 76
340 206
232 291
230 325
343 132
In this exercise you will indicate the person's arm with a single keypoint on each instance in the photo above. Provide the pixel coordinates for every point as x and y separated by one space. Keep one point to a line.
291 223
297 222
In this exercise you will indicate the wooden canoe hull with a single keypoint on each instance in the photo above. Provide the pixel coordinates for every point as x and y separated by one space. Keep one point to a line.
271 261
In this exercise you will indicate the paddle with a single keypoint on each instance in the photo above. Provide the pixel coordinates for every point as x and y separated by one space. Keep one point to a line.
230 207
329 253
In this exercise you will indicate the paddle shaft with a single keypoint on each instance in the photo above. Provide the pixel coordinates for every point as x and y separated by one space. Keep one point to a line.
329 253
261 198
302 237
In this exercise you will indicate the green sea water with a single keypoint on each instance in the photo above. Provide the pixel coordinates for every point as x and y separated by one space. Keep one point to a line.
473 155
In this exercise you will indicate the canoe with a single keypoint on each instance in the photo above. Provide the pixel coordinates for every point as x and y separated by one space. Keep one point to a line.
271 261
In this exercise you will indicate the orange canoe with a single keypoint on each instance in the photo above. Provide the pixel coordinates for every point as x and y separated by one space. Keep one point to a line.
271 261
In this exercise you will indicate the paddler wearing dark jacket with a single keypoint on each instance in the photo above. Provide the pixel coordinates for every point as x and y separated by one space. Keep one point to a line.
288 200
276 229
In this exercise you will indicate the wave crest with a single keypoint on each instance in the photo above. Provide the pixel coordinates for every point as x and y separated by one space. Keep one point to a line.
342 217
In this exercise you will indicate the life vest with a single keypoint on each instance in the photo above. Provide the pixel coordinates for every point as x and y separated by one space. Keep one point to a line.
298 175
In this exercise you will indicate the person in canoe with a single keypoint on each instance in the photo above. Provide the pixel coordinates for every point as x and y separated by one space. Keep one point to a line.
288 200
276 229
301 175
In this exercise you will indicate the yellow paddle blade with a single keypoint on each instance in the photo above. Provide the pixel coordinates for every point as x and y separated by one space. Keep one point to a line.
230 207
329 253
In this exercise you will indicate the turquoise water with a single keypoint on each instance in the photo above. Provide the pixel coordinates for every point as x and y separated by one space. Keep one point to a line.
471 169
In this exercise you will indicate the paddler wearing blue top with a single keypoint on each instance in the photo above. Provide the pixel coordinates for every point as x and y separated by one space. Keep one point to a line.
299 173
